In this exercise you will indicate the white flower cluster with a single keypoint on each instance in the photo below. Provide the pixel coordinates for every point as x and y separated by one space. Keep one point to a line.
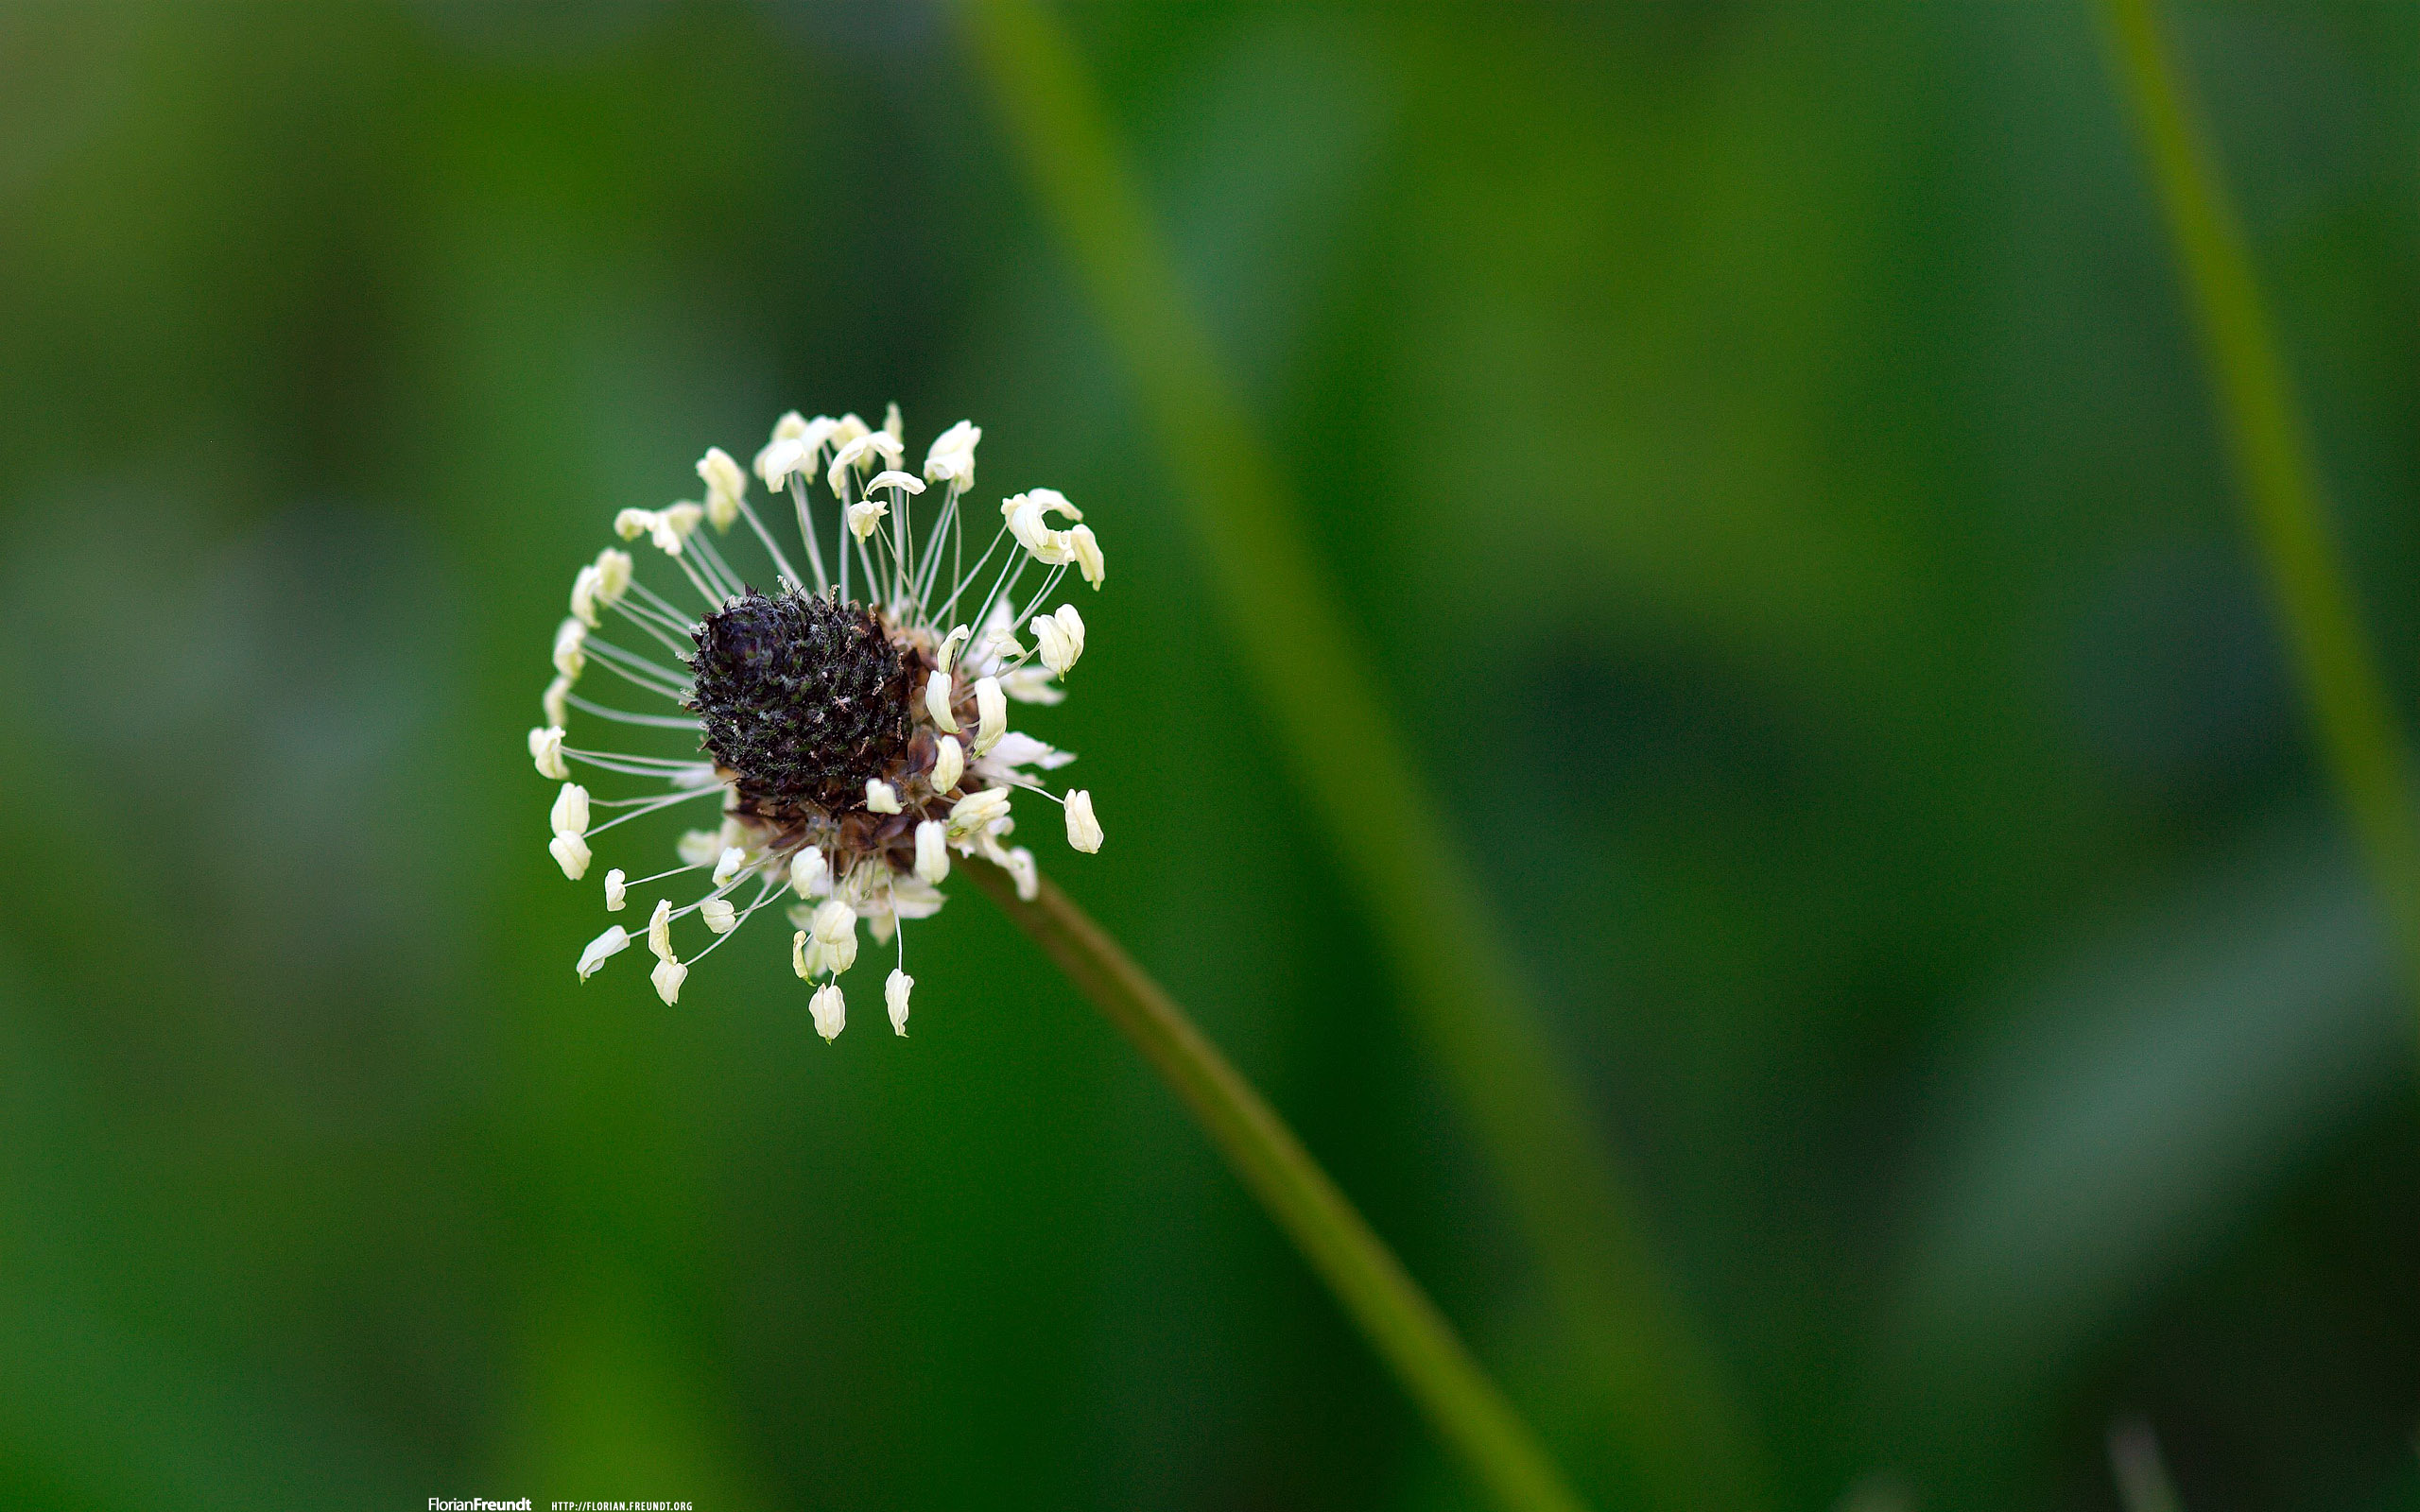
853 812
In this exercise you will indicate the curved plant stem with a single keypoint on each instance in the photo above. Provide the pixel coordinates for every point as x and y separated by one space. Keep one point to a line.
1651 1388
2285 505
1409 1332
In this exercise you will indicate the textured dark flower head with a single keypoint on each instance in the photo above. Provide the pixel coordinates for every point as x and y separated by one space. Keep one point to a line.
855 744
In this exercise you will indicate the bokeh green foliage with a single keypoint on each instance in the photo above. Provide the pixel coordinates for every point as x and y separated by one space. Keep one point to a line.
1762 445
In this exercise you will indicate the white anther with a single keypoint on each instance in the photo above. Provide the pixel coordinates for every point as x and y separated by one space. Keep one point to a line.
835 922
896 479
999 646
1050 547
720 917
895 989
803 957
1088 559
1016 749
571 853
932 852
583 595
672 526
978 811
659 930
612 942
949 764
806 869
631 524
697 848
1051 501
844 430
570 813
791 426
1032 685
569 658
937 700
613 577
556 701
668 977
1022 871
950 643
881 798
1061 637
892 426
1083 831
546 750
725 485
727 864
830 1010
781 457
617 890
991 714
855 453
865 515
952 457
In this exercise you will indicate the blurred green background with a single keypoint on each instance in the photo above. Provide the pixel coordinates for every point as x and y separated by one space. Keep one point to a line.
1762 447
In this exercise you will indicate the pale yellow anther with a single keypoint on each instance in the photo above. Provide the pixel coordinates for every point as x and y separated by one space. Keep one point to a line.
668 977
892 426
991 714
932 852
952 457
570 813
613 577
1022 871
571 853
978 811
949 764
720 917
584 585
659 930
556 701
937 701
830 1010
611 943
546 750
806 869
727 864
1083 831
631 524
725 485
1059 638
699 848
865 515
881 798
617 890
896 479
803 957
895 989
570 636
1088 558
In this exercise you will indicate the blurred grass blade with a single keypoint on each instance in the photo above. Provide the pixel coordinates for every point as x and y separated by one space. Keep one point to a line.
1405 1326
1659 1387
2358 739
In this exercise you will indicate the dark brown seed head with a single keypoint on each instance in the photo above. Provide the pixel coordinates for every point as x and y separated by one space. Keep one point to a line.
803 698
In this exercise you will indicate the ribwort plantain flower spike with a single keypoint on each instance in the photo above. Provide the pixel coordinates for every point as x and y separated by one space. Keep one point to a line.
852 724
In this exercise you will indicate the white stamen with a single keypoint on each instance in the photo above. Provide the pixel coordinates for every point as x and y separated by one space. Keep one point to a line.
830 1010
613 577
725 485
991 714
1083 831
583 597
937 701
806 869
978 811
555 702
895 989
699 848
952 457
881 798
865 515
631 524
720 915
546 750
932 852
570 813
836 930
1088 558
569 659
659 930
671 527
617 890
612 942
727 864
1023 872
571 853
895 480
949 763
668 977
805 958
892 425
1061 637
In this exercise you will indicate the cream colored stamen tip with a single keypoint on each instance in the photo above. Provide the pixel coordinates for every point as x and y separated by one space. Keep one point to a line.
697 848
585 585
668 977
807 868
895 479
570 814
1023 873
613 575
569 658
727 866
835 920
720 917
865 515
571 853
1083 831
978 810
1087 555
612 942
556 702
617 890
991 714
949 764
659 930
830 1012
881 798
895 989
798 953
932 852
631 524
546 750
937 701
